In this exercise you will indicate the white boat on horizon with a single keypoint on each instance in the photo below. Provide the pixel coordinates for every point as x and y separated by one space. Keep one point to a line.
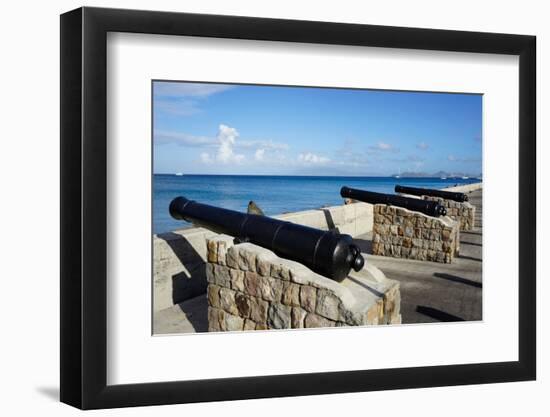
178 174
465 177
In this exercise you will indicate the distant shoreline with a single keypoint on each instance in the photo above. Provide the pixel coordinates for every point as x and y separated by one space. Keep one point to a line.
419 177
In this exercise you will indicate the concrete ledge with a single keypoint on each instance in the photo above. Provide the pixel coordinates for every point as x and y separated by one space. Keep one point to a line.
250 288
179 260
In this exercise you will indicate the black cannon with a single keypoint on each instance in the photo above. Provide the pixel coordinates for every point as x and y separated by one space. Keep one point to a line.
447 195
431 208
325 252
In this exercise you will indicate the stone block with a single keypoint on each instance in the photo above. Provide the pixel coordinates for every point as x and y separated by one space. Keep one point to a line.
252 284
249 325
297 317
258 310
213 295
232 257
263 265
261 326
291 294
247 259
222 251
237 279
243 305
233 323
280 271
270 289
212 251
227 301
214 319
314 320
278 316
327 305
308 298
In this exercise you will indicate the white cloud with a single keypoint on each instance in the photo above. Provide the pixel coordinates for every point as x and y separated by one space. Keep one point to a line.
228 148
259 154
227 137
263 144
162 137
422 146
311 158
383 147
185 89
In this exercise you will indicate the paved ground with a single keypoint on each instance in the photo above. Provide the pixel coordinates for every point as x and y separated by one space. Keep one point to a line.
430 291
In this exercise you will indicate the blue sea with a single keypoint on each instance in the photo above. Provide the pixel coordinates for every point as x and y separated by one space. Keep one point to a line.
273 194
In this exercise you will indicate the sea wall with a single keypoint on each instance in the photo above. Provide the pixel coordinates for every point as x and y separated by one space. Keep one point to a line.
179 258
403 233
250 288
179 266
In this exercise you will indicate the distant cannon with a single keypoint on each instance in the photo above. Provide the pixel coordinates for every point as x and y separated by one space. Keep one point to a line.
447 195
430 208
324 252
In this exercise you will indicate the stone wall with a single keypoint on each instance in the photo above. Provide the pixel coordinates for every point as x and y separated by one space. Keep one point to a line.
464 212
179 257
403 233
250 288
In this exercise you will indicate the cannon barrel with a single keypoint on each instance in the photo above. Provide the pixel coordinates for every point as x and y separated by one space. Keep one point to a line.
431 208
447 195
325 252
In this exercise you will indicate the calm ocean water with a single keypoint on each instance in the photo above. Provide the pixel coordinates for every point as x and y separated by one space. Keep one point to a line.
273 194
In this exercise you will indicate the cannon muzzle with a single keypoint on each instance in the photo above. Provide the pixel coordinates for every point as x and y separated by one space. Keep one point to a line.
447 195
324 252
430 208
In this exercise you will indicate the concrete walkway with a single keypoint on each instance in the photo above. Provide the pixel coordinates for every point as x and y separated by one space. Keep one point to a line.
431 291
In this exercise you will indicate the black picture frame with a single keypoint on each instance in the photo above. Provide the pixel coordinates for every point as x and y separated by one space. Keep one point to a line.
84 207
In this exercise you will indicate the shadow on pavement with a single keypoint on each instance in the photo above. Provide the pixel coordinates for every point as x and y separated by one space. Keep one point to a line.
436 314
460 280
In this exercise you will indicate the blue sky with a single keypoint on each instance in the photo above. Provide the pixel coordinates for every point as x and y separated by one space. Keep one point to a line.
265 130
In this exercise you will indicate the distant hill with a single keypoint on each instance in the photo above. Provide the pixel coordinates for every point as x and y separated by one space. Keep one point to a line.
439 174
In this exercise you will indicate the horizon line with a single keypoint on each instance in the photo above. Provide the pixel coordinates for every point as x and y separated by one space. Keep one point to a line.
470 176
